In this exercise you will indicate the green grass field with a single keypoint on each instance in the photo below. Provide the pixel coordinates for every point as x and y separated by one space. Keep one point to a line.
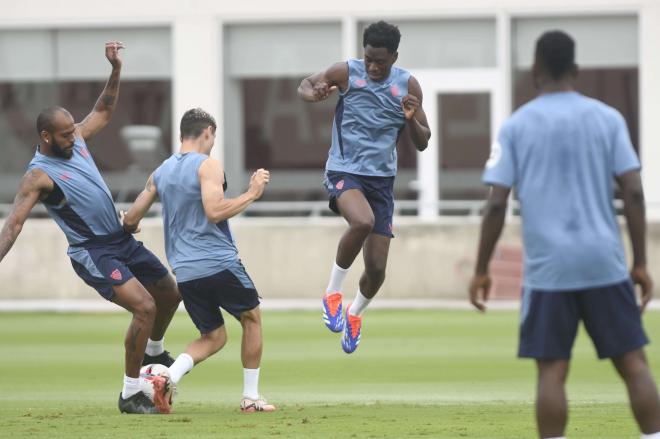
417 374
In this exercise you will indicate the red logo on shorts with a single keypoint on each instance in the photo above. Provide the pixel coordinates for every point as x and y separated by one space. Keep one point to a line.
340 185
116 275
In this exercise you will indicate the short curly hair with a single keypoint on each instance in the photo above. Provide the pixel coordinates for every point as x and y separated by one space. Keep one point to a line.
556 49
382 34
194 122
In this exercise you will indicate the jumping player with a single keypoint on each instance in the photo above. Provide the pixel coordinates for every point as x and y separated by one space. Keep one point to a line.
562 152
63 176
377 103
201 250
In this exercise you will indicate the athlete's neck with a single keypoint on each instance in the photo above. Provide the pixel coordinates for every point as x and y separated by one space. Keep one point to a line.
192 146
546 85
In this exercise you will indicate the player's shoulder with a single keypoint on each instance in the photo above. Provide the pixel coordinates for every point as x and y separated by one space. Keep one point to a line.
36 179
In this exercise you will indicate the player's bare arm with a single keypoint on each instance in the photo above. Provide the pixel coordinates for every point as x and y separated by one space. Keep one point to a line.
216 206
634 210
491 228
34 186
416 122
320 86
105 105
131 219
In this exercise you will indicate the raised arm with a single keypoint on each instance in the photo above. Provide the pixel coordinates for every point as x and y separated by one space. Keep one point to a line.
635 213
105 105
416 122
34 184
131 219
491 228
319 86
216 206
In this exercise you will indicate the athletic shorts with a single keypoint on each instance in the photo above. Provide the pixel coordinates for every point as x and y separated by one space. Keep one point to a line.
549 321
379 192
230 289
113 260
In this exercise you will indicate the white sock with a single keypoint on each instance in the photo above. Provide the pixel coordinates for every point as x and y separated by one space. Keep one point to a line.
359 304
651 436
337 276
155 347
131 387
181 365
251 383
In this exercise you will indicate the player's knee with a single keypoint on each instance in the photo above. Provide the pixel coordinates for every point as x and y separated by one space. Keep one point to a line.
376 273
363 225
631 365
217 339
146 308
251 317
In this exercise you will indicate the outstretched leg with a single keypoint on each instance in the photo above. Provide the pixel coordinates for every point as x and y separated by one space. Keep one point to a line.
197 351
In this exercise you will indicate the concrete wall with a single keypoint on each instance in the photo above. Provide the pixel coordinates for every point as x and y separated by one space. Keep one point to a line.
291 258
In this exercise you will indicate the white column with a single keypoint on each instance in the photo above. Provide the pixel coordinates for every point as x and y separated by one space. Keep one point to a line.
428 160
196 72
349 36
649 96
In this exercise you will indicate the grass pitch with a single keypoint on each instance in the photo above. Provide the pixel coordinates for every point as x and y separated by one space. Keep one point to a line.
417 374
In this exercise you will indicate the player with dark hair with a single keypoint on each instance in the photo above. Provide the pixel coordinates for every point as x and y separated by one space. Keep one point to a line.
201 250
63 176
377 103
562 152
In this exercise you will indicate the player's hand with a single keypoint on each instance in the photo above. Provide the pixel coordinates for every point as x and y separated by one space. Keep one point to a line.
112 49
258 182
479 291
641 277
410 104
129 229
322 90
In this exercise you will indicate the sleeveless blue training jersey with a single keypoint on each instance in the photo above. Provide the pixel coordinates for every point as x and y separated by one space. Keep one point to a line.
86 211
195 247
367 124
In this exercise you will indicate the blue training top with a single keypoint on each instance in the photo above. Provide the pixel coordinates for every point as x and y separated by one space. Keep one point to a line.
195 247
367 124
85 210
562 151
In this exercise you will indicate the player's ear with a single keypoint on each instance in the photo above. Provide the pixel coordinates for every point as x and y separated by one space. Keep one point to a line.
45 136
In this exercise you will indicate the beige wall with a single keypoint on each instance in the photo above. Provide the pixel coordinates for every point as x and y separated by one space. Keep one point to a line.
287 258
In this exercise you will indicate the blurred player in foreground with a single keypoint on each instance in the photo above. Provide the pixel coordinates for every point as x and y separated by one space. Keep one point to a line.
63 176
201 250
562 152
377 102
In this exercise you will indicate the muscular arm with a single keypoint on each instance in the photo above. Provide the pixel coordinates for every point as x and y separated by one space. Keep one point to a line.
491 228
131 220
416 124
318 87
105 104
34 184
216 206
635 213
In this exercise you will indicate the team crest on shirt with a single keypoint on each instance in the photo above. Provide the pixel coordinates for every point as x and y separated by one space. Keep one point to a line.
495 154
84 152
395 91
65 176
360 83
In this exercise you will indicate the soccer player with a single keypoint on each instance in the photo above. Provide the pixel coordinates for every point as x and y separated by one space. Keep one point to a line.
201 250
63 176
562 152
377 103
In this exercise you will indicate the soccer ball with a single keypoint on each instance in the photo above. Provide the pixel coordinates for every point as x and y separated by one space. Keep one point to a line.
155 382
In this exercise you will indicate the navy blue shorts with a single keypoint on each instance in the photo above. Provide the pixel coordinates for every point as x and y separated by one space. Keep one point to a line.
549 321
113 261
379 192
230 289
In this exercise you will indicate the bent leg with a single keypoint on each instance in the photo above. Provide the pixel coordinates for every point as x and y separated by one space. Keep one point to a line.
551 404
375 252
355 209
167 298
136 299
642 391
